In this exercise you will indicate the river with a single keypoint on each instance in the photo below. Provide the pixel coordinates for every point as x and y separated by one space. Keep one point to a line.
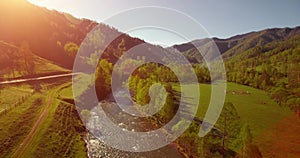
98 149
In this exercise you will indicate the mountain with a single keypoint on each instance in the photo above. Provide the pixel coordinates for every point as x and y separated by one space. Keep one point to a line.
20 61
45 31
267 59
50 34
238 44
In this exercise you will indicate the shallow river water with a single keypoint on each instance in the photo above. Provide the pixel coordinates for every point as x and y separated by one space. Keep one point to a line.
98 149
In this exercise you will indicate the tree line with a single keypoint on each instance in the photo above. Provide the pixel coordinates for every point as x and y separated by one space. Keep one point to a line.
274 68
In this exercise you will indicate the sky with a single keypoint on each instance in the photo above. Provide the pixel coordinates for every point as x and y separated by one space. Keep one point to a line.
219 18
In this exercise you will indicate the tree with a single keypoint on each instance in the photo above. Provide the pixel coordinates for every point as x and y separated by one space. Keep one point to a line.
85 115
243 144
28 58
202 73
251 151
71 49
229 124
279 94
103 79
142 95
244 139
294 72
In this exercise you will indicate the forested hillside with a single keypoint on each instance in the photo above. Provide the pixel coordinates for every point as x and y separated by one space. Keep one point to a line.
49 34
268 60
274 67
19 61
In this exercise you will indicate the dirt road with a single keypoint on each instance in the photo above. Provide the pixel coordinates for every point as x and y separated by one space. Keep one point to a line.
28 139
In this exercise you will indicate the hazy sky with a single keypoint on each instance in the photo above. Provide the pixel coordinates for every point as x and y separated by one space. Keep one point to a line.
220 18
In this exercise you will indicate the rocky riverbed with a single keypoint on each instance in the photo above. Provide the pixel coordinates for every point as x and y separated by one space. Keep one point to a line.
98 149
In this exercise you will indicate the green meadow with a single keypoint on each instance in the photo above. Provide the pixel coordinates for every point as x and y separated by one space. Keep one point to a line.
254 106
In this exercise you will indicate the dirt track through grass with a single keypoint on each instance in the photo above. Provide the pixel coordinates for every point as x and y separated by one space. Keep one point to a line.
28 139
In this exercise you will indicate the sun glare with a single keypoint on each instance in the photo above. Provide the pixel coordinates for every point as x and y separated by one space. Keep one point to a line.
43 3
50 4
18 1
38 2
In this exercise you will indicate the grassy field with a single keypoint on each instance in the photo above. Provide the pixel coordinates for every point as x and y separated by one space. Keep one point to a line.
17 122
46 66
63 137
41 66
254 106
66 92
61 132
264 116
6 93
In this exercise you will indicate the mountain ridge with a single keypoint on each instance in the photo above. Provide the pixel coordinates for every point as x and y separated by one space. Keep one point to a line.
50 34
241 42
56 36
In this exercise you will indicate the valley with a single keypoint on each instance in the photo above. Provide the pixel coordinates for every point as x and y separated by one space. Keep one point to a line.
49 71
54 114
